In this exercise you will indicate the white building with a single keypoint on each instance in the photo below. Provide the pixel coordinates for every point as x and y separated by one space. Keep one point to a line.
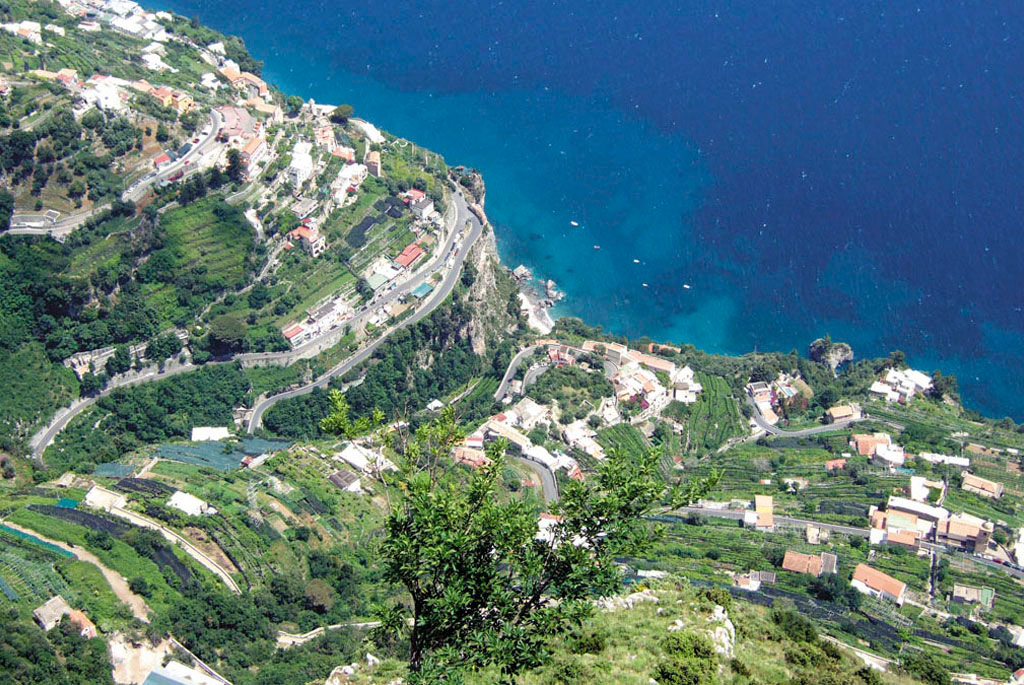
959 462
364 459
889 455
208 433
581 436
301 167
685 388
101 498
921 486
900 385
528 414
190 504
422 208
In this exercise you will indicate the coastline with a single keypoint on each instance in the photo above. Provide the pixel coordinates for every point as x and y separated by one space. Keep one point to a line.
530 300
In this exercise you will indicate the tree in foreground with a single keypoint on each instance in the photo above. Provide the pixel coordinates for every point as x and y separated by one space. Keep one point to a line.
487 588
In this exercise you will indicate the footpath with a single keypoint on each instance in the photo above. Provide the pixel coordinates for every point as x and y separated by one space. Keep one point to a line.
117 583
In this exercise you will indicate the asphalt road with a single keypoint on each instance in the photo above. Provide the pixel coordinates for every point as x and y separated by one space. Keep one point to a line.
511 370
187 163
438 295
58 424
547 478
43 440
785 520
773 430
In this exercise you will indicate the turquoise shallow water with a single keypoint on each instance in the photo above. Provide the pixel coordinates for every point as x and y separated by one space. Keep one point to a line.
848 169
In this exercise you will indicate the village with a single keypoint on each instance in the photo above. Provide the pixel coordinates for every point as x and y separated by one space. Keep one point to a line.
876 506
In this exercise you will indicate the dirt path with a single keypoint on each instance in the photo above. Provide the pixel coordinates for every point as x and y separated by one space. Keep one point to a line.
118 584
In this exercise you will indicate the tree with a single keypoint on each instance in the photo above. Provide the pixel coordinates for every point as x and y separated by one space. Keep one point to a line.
484 588
120 362
341 114
93 119
76 189
943 385
690 659
319 596
92 384
294 104
140 586
259 296
162 134
162 346
228 331
6 209
235 170
827 397
920 665
189 120
216 179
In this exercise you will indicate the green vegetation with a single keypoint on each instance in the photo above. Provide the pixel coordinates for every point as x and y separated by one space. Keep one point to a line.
134 416
59 657
576 391
624 438
712 419
396 381
206 248
473 567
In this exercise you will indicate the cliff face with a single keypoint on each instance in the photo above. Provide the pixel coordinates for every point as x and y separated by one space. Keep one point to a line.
488 295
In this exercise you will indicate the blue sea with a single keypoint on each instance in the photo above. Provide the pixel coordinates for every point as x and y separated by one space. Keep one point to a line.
851 167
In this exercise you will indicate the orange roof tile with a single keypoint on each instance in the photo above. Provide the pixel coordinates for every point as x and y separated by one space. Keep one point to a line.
802 563
878 581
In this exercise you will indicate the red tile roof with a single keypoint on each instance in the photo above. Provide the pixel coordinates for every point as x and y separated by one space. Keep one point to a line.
410 254
802 563
292 332
878 581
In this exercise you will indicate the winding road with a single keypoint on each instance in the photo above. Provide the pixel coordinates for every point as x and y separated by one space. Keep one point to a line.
465 217
436 297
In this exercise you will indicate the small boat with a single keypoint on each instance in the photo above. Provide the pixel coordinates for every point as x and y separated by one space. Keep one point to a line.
686 285
645 285
574 223
636 261
597 247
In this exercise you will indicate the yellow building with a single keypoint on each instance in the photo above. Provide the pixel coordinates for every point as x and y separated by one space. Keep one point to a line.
183 102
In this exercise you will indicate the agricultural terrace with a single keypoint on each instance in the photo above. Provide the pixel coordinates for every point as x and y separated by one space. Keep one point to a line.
712 420
207 248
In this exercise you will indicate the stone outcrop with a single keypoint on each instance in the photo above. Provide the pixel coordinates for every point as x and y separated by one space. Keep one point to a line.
619 602
831 354
722 633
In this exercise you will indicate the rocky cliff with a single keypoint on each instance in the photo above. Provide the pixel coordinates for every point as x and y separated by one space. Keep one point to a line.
831 354
492 294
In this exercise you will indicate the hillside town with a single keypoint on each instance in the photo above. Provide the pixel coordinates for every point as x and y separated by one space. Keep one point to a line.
252 337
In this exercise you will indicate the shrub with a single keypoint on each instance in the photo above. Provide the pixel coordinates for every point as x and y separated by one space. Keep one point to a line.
719 596
589 641
684 672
